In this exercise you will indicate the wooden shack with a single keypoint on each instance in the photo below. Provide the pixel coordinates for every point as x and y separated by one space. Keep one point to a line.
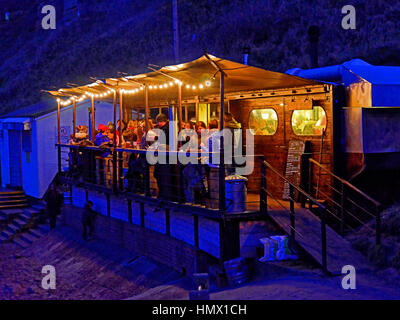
276 107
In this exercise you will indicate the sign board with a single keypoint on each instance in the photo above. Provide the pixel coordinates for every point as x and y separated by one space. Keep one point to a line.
293 165
65 132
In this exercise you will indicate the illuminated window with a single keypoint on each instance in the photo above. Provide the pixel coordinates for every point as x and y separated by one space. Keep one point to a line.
263 122
309 122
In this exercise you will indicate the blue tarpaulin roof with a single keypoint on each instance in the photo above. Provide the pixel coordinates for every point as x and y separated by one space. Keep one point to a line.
384 89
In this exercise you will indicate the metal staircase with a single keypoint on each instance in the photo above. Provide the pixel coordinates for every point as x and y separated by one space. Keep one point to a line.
307 223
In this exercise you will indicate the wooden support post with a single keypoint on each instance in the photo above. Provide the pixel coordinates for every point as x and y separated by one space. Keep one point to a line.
108 205
114 153
310 183
121 117
179 108
93 125
146 109
115 117
342 209
229 240
197 109
59 134
120 164
292 216
58 121
147 190
71 193
378 226
196 230
142 214
222 203
114 172
323 242
130 211
304 178
121 171
74 117
263 188
167 222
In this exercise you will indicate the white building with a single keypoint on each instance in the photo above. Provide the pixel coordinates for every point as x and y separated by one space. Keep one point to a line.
28 137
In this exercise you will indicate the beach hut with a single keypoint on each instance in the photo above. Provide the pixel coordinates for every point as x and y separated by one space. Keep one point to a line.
28 138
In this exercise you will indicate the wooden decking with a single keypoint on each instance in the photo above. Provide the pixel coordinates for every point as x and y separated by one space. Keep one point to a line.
308 236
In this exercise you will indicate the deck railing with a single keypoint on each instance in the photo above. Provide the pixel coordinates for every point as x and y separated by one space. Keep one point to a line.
121 170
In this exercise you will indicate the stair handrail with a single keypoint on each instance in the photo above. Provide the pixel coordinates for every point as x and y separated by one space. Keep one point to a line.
347 183
377 204
304 193
312 201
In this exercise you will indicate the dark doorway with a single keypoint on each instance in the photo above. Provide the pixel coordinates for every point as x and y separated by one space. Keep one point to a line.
14 140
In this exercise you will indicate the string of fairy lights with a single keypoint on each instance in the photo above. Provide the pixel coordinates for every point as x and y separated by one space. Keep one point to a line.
166 85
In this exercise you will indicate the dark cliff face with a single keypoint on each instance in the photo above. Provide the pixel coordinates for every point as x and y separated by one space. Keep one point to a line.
102 38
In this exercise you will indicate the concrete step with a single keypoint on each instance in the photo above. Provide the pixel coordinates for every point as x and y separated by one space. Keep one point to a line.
28 238
36 233
4 239
43 227
7 234
25 217
39 206
30 212
13 206
13 228
20 243
11 213
22 224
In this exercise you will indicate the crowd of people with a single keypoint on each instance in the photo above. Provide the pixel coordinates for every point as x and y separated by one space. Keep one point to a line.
190 182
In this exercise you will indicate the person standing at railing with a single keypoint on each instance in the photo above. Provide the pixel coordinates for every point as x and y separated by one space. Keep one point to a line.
235 128
81 134
164 172
209 145
193 173
100 139
144 134
188 137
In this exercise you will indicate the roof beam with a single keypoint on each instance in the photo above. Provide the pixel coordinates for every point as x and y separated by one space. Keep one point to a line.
215 65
